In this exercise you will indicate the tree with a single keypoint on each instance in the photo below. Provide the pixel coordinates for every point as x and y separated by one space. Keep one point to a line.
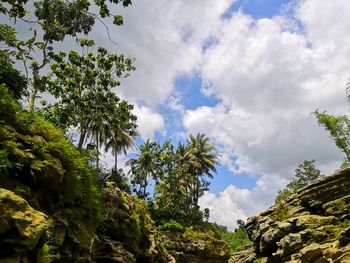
202 159
82 85
339 130
122 131
12 78
145 166
56 19
305 174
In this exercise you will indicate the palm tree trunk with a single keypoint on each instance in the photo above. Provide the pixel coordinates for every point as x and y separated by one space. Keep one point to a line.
97 154
144 188
115 160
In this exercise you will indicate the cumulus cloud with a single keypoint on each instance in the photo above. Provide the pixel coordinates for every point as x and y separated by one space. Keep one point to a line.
234 203
166 38
270 79
270 75
149 122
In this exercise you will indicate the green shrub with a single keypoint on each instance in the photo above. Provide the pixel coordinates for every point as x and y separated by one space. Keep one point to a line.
172 226
237 240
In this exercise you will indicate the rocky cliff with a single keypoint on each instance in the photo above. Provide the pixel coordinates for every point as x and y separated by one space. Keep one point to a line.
311 226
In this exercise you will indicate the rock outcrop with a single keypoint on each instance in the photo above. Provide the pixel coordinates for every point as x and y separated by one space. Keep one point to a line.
22 229
196 246
311 226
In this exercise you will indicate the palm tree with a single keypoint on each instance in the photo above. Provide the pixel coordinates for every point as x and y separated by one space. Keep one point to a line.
201 157
146 165
120 142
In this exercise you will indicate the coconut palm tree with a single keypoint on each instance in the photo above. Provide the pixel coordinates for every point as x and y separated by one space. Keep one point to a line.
145 166
201 157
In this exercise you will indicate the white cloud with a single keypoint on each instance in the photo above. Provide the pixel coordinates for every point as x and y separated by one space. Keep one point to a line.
149 122
233 203
165 37
270 77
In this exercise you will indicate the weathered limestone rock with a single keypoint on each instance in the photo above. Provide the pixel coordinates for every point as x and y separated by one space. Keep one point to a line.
195 246
21 227
311 226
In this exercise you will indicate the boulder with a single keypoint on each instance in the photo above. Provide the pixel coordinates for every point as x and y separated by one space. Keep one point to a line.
21 227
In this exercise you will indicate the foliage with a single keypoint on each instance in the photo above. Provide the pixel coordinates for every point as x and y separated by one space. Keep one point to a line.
119 178
41 165
56 19
12 78
172 226
93 108
237 240
180 175
339 130
305 174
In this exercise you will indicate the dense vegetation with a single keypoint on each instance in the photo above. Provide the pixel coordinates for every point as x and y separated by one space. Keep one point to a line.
50 150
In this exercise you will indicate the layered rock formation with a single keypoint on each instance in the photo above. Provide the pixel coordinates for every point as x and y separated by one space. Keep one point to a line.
311 226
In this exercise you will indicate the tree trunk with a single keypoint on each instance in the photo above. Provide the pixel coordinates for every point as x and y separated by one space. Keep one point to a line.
81 139
32 100
115 160
98 154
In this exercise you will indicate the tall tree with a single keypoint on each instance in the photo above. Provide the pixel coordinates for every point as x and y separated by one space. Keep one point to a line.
83 84
121 131
56 19
202 158
339 130
145 166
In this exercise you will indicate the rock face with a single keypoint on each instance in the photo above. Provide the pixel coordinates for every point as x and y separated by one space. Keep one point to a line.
197 246
311 226
22 228
127 233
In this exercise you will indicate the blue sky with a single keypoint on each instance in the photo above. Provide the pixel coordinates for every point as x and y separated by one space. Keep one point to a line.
256 8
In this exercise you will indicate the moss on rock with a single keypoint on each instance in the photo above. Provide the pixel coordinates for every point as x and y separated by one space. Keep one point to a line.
22 228
310 226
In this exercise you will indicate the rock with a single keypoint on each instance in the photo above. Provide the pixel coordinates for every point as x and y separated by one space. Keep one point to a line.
311 253
268 242
197 245
21 227
245 256
344 237
310 226
108 250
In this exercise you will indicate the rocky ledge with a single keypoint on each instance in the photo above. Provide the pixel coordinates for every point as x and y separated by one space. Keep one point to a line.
311 226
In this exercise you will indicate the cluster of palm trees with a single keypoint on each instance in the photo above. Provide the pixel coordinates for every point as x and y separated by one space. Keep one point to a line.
180 175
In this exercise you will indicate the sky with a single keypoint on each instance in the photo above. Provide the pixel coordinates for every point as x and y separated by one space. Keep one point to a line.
248 74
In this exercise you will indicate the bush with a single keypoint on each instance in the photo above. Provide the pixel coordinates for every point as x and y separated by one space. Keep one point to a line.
172 226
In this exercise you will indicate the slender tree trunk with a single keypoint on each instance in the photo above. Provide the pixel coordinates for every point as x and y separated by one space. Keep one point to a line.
144 188
32 99
115 160
98 154
81 139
